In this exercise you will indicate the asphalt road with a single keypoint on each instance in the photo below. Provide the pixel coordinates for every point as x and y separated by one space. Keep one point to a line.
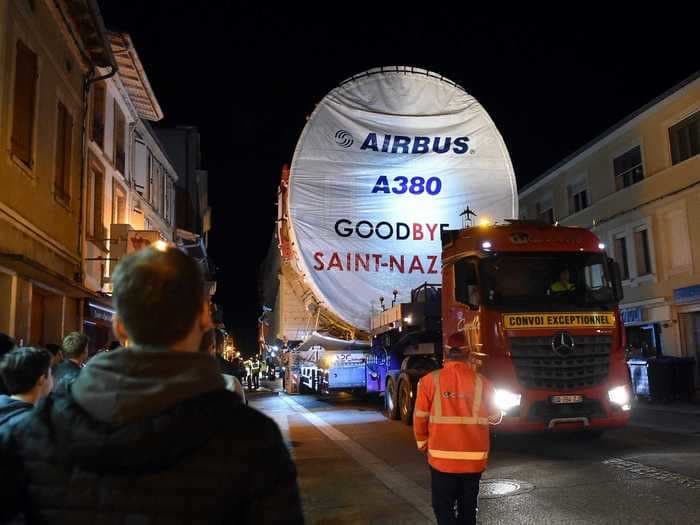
357 467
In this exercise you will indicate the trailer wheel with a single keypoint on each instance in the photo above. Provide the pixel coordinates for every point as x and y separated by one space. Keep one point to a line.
391 409
406 402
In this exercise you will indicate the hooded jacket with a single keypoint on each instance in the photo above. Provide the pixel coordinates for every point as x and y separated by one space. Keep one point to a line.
148 436
12 410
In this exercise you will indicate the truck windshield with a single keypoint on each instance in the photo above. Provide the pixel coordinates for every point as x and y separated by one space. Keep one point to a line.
547 280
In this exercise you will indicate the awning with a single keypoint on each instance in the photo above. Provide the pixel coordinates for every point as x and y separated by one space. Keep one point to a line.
34 271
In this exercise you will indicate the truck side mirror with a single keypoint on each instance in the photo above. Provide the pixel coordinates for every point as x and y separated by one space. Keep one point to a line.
466 284
616 275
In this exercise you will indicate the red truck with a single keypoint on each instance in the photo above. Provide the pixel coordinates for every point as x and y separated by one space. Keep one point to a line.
537 307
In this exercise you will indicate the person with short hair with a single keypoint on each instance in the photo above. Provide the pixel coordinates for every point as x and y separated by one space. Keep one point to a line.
75 353
149 433
26 372
56 354
7 343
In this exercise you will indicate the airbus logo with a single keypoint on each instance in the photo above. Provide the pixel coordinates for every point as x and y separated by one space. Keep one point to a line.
344 138
563 344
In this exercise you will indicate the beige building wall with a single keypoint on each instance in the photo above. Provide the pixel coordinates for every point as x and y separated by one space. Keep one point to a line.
39 227
663 207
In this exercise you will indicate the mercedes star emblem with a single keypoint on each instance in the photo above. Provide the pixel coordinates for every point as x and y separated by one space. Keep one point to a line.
563 344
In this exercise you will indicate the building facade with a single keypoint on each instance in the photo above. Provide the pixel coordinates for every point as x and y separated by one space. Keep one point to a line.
637 186
129 198
192 211
49 51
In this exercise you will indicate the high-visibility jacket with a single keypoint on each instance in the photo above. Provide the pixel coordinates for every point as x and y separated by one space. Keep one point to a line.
559 287
450 419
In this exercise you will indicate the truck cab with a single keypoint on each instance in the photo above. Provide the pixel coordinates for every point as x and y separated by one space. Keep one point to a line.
536 306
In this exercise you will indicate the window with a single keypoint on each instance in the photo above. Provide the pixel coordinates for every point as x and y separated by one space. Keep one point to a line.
641 250
118 204
621 256
152 167
97 128
466 288
628 168
166 199
96 190
64 140
164 194
26 72
545 211
119 139
685 138
578 195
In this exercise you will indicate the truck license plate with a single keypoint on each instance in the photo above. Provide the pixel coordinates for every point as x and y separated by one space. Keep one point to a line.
565 400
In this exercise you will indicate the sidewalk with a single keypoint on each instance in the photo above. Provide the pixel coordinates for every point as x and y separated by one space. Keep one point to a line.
677 417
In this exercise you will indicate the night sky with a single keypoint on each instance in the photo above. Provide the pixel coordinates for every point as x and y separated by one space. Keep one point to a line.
249 76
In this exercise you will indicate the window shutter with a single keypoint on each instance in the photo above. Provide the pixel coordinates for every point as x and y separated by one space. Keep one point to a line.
24 96
68 150
64 131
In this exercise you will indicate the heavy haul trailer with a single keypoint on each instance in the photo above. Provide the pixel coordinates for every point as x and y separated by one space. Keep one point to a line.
555 357
387 175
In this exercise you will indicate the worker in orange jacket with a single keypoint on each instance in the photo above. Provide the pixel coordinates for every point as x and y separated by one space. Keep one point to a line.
451 423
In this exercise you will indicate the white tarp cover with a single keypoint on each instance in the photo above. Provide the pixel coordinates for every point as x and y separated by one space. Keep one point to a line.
331 343
385 161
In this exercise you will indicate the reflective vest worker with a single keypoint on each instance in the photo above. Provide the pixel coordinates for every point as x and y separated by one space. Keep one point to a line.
563 284
451 423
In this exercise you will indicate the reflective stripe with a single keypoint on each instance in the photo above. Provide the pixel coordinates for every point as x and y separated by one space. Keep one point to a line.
478 387
449 454
437 394
421 413
421 444
438 419
458 420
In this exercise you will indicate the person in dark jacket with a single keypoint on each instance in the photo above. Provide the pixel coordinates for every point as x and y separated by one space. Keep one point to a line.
148 433
75 352
56 353
6 344
26 373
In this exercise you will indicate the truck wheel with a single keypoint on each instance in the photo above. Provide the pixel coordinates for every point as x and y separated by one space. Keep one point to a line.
391 409
406 402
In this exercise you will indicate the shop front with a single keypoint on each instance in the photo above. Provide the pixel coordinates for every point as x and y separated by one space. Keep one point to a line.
644 328
688 304
97 325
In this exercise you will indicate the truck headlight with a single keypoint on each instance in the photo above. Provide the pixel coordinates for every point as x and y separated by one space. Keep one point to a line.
505 399
620 396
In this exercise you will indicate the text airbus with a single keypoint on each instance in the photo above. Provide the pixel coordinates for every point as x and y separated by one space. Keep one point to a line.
415 145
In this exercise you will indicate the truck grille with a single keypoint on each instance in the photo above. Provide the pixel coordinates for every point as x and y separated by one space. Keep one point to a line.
538 366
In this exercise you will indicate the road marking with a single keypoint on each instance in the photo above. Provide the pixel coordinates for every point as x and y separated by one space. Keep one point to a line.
411 492
653 472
